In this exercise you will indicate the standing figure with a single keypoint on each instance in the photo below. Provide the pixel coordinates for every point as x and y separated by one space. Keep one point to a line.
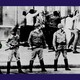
72 31
76 31
13 44
36 42
60 45
27 25
31 20
52 22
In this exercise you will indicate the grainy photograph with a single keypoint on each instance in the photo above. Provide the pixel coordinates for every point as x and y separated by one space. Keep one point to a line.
39 40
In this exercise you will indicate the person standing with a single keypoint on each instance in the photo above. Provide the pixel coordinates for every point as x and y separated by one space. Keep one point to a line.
36 42
13 44
72 31
60 45
31 19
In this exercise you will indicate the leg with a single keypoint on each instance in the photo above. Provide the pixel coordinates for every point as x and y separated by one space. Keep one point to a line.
71 41
9 61
40 55
75 42
8 67
56 60
69 38
33 55
49 38
17 55
0 71
65 59
19 66
31 65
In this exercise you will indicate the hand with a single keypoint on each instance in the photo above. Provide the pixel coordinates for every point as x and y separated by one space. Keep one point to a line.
55 50
29 47
11 47
21 42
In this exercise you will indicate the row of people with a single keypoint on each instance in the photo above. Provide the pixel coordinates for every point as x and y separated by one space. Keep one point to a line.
37 42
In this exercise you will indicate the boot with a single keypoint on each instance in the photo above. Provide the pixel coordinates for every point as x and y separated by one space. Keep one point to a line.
42 65
0 72
31 65
66 64
8 67
55 65
19 66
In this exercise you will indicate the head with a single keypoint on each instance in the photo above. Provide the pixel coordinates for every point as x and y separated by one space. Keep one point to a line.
24 13
76 12
32 11
71 15
60 26
56 13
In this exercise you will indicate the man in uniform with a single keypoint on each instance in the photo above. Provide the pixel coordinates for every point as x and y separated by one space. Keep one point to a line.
60 45
13 44
36 42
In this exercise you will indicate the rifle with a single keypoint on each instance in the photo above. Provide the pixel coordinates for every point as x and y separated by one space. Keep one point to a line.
20 44
10 48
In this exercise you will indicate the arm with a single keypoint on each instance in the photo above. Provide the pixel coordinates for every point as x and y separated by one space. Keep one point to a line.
66 41
54 41
64 17
8 43
43 41
29 39
35 14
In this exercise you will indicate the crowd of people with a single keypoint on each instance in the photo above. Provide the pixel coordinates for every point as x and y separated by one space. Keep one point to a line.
41 30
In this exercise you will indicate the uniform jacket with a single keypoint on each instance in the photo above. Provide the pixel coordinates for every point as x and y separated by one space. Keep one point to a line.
13 41
36 39
59 39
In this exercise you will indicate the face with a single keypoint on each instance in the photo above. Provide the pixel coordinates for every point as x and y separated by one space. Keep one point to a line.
38 29
60 26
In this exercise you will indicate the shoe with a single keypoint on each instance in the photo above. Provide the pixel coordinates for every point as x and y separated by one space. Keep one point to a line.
55 69
42 65
20 71
8 67
19 66
69 50
76 52
66 65
31 65
55 65
0 72
68 69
